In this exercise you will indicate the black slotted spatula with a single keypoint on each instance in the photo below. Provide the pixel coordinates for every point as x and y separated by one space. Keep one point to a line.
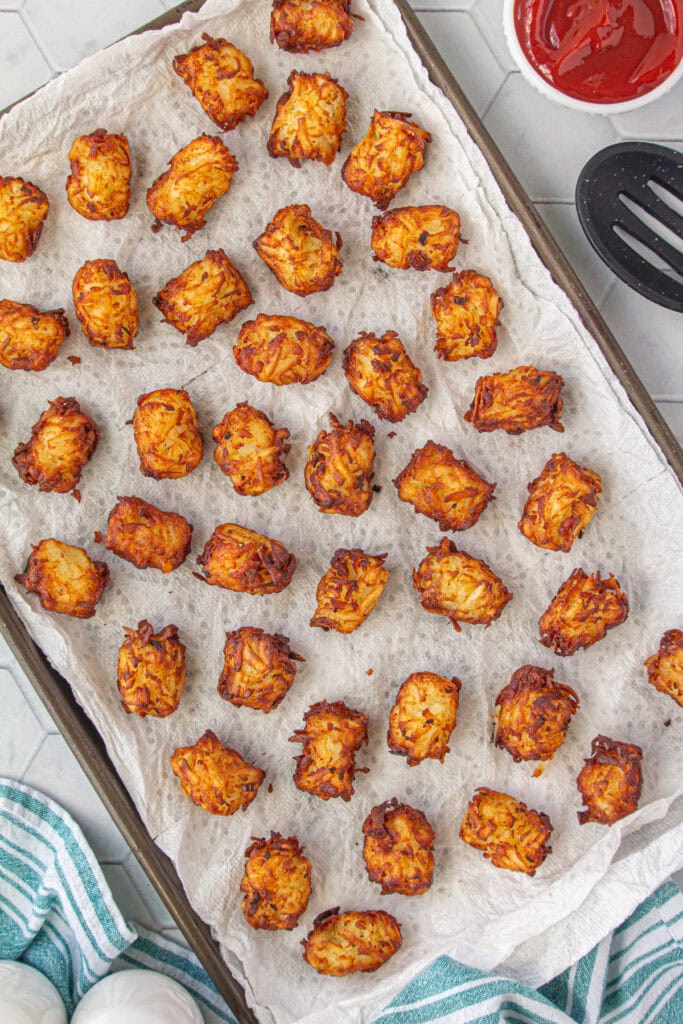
613 193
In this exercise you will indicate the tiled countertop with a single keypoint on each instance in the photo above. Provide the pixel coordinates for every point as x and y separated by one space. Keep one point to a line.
546 146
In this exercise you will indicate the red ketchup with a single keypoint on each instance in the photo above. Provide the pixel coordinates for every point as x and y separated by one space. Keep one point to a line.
603 51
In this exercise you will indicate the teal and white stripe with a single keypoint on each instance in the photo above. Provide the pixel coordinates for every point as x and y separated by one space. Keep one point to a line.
634 976
57 914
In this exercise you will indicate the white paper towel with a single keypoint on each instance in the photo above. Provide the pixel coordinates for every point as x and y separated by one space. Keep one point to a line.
473 911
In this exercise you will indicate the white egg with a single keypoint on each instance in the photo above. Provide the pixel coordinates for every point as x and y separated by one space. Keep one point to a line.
137 997
27 997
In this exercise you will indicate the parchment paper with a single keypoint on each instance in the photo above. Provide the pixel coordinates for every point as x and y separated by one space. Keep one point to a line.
473 911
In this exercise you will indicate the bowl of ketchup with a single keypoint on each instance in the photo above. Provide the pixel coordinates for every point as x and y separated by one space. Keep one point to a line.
599 56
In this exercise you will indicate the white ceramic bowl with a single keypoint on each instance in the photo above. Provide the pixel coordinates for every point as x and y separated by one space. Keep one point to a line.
137 997
27 996
541 85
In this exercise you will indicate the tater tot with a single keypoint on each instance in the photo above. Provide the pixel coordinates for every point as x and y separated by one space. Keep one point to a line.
148 537
359 940
258 669
509 834
208 293
276 883
62 443
340 468
331 735
463 588
250 450
242 560
310 119
391 151
99 184
23 209
380 371
283 350
199 174
302 254
106 304
151 670
30 339
215 777
221 79
167 434
65 578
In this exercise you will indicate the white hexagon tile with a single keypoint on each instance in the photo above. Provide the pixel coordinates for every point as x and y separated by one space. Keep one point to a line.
546 146
20 52
69 30
463 47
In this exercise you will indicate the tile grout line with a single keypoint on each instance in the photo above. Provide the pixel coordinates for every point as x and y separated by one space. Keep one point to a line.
34 755
500 88
31 31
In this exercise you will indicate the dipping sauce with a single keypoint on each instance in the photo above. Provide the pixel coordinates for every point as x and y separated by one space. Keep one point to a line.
602 51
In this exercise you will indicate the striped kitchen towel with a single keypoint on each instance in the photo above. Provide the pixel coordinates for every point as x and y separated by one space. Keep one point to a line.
57 914
634 976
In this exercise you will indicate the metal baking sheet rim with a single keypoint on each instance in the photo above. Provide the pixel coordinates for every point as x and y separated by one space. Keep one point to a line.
55 692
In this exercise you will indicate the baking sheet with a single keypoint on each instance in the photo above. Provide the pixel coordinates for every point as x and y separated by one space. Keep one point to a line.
538 325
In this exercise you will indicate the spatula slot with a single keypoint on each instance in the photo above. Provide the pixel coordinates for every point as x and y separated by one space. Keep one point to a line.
646 253
649 216
668 193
